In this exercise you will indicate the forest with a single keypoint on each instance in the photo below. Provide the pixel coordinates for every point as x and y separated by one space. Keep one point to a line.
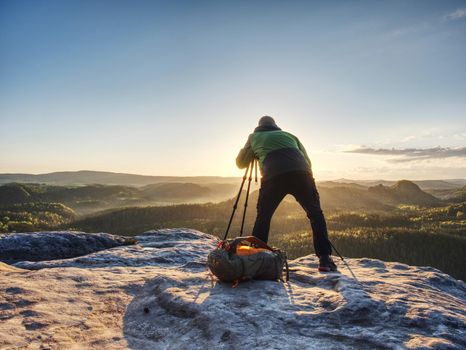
400 222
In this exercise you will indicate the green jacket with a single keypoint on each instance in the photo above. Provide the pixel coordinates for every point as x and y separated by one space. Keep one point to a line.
277 151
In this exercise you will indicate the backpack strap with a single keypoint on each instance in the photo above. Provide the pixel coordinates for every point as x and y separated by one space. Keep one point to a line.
250 239
231 245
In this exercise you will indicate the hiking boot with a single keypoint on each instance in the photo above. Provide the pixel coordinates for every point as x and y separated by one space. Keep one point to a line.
326 264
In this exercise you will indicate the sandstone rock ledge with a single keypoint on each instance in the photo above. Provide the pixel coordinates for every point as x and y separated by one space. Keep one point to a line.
157 295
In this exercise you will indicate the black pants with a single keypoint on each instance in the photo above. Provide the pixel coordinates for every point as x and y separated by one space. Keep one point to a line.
302 186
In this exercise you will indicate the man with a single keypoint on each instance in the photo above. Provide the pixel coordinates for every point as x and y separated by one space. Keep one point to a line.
286 169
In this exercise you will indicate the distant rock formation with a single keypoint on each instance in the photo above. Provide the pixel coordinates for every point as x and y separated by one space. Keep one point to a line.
405 192
158 295
39 246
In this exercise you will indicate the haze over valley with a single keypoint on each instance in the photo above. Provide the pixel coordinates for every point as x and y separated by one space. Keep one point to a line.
366 218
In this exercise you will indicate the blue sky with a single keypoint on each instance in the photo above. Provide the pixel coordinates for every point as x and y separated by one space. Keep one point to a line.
175 87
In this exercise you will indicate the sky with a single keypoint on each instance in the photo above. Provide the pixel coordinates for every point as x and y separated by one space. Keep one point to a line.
373 89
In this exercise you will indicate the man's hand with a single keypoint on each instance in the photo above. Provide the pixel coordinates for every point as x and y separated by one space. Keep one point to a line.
245 156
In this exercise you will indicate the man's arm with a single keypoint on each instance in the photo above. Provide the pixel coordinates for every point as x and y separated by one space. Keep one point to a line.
245 156
302 149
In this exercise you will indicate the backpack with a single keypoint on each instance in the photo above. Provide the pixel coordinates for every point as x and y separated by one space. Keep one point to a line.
245 258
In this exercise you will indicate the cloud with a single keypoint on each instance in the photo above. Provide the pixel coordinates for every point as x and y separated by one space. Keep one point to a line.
458 14
409 138
411 154
460 136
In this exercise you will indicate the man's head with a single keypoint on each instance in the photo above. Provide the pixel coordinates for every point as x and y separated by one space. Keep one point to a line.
267 121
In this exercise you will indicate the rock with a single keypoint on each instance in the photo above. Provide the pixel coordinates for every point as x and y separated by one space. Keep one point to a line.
406 192
39 246
8 268
169 248
157 295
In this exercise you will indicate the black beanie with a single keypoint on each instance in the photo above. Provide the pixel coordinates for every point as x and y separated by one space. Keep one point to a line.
267 121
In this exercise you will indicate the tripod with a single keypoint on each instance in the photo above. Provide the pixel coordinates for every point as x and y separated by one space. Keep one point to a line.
252 166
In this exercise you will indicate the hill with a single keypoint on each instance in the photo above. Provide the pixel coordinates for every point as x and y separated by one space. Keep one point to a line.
87 177
459 195
403 192
90 198
211 216
187 192
27 217
425 185
455 195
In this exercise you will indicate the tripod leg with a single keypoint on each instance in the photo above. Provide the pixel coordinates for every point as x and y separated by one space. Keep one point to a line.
236 203
246 200
346 264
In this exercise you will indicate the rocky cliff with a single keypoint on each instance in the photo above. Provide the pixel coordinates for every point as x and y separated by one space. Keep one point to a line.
158 295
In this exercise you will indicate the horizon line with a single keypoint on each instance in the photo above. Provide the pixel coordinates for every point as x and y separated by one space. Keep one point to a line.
207 176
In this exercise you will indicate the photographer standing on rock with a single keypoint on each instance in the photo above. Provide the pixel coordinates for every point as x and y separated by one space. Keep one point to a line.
286 169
